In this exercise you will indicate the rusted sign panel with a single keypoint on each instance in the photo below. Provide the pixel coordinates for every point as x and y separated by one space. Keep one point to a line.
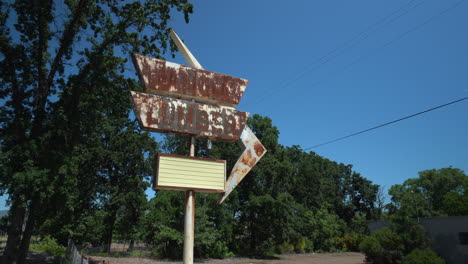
171 79
253 151
169 115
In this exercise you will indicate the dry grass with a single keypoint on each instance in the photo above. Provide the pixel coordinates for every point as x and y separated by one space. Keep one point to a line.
333 258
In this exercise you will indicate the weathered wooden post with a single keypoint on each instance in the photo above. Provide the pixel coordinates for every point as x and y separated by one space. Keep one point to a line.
194 102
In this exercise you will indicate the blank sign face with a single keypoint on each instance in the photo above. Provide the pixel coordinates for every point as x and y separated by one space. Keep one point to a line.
180 173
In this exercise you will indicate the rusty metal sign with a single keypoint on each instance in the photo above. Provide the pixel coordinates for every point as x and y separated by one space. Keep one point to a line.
192 101
253 151
170 115
171 79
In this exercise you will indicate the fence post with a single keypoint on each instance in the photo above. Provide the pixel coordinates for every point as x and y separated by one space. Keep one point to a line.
73 256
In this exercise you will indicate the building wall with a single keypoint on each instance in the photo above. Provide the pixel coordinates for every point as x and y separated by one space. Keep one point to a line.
445 235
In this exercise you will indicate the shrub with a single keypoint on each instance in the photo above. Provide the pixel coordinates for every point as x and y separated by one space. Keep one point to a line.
351 241
286 247
266 248
390 245
326 228
49 245
303 245
371 248
359 225
423 256
383 247
413 235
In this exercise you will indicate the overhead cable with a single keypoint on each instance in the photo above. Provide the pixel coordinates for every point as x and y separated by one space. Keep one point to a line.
386 124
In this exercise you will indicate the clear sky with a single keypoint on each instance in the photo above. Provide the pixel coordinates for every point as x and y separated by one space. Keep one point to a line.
325 69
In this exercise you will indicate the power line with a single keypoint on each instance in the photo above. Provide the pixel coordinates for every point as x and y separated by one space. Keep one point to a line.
388 123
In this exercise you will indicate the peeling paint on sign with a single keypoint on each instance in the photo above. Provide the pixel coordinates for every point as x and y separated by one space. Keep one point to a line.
170 115
171 79
253 151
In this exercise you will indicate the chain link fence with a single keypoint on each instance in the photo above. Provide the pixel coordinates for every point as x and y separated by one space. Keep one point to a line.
73 256
119 249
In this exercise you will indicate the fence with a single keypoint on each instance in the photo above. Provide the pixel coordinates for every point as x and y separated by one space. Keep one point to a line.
119 249
73 256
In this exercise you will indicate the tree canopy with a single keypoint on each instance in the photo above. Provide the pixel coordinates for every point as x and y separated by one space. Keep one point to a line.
435 192
68 146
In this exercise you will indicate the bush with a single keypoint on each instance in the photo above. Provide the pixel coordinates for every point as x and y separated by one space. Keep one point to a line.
326 228
359 225
49 245
351 241
286 247
383 247
423 256
413 235
303 245
404 238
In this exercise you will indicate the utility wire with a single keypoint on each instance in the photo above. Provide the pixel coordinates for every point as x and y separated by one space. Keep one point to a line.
386 124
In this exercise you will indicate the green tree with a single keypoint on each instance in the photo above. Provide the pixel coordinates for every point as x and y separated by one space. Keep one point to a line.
63 92
423 256
164 223
456 203
433 193
325 229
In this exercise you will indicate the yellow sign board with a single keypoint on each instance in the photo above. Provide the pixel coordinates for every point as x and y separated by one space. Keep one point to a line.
181 173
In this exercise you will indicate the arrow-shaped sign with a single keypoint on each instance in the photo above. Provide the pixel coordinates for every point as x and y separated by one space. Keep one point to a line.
253 151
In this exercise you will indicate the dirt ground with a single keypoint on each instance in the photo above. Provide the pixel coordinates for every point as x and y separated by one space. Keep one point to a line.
325 258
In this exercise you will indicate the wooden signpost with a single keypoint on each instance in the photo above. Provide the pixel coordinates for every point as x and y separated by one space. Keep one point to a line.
188 100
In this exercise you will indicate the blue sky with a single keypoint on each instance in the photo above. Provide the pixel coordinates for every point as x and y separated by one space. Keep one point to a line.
325 69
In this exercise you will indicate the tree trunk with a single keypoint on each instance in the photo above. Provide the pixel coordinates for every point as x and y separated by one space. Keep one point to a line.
109 230
14 232
253 244
26 240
